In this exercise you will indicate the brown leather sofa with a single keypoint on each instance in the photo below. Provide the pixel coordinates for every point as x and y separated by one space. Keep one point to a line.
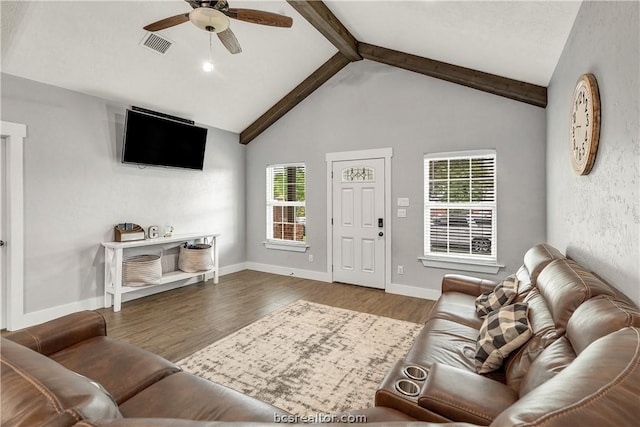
581 367
67 372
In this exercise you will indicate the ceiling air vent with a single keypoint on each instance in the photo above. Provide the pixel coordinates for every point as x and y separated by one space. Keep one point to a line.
156 43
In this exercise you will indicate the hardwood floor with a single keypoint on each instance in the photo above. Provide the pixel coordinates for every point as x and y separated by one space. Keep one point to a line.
176 323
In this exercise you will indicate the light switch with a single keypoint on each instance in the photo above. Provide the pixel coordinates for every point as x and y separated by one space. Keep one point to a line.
402 213
403 201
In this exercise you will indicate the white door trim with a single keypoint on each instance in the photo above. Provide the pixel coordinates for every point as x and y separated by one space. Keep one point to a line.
376 153
14 134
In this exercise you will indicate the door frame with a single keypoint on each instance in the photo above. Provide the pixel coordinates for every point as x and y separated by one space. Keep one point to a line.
376 153
14 135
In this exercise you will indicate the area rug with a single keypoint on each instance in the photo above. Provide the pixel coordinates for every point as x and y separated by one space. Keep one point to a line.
307 358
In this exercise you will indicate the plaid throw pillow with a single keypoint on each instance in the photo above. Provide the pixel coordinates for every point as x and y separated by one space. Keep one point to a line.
503 294
502 332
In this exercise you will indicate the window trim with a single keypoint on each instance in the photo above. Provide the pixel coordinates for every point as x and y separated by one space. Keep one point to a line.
468 262
285 245
282 244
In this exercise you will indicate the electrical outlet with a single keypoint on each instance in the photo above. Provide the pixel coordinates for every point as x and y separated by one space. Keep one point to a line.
310 258
402 213
400 269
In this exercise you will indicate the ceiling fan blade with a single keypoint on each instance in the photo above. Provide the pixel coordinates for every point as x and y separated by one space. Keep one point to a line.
229 41
168 22
260 17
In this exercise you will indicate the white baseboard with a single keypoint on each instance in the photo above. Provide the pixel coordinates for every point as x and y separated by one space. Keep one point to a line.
41 316
287 271
413 291
233 268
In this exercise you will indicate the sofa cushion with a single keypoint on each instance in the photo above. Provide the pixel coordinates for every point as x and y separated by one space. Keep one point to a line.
38 391
565 285
599 388
544 333
183 395
500 296
598 317
457 307
123 369
538 257
446 342
502 332
548 364
464 396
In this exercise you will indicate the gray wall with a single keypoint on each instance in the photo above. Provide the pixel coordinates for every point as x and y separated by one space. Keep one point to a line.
76 189
596 218
370 105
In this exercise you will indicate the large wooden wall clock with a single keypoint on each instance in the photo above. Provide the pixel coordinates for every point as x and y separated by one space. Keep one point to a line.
585 124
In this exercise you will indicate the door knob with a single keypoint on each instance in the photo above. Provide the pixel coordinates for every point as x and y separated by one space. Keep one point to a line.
381 234
1 243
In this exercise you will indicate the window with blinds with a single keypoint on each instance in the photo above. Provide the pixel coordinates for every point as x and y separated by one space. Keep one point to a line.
460 205
286 210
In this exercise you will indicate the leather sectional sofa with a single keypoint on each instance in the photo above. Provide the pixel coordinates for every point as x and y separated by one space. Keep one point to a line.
580 367
67 372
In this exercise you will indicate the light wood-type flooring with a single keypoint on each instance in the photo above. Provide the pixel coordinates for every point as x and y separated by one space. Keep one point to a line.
176 323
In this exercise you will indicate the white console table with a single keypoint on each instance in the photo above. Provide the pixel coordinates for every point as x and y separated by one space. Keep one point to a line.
113 257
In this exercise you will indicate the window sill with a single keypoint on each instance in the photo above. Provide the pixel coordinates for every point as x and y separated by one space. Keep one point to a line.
286 246
461 264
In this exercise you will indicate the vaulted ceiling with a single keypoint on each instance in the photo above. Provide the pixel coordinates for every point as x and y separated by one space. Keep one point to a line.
509 48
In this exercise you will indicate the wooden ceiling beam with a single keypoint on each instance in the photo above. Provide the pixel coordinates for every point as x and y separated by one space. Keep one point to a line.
327 70
319 15
497 85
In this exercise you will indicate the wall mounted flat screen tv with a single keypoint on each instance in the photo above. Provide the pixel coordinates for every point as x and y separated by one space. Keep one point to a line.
151 139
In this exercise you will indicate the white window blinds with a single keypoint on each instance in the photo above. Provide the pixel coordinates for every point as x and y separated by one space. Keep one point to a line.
460 205
286 203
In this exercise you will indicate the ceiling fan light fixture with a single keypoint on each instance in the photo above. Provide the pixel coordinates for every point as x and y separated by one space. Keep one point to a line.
208 67
208 19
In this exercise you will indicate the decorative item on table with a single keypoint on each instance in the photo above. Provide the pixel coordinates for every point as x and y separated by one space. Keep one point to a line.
153 231
168 230
142 270
195 257
127 231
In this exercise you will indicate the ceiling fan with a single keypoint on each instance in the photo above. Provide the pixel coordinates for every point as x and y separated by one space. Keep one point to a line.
213 16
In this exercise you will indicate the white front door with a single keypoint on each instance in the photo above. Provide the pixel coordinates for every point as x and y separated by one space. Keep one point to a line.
358 222
3 229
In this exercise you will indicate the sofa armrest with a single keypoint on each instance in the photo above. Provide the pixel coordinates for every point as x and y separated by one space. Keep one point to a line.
464 396
50 337
466 284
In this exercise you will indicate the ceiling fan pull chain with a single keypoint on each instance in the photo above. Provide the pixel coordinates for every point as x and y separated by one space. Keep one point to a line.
210 48
208 66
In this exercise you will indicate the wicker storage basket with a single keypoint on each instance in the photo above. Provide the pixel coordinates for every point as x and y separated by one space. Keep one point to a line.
194 258
142 270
